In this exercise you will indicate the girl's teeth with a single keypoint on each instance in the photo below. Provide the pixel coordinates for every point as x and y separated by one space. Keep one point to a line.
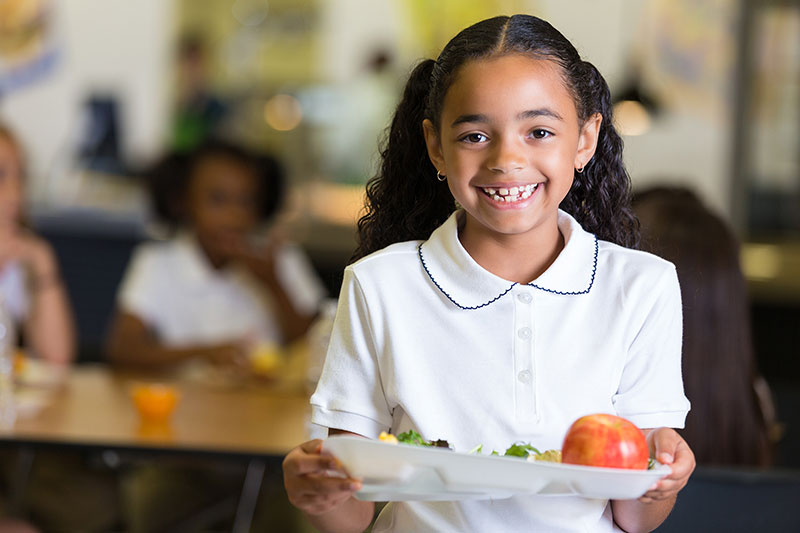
513 194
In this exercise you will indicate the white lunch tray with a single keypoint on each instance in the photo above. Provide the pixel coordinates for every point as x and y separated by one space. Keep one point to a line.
402 472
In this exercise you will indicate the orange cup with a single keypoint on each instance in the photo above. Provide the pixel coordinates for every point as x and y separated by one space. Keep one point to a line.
155 402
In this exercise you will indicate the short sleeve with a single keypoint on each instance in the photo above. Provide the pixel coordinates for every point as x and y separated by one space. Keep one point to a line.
140 291
14 291
650 392
350 394
299 279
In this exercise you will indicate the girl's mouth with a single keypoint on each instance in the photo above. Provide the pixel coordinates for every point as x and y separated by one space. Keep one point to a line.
511 194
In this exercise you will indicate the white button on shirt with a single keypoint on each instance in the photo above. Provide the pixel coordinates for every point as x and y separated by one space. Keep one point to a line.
425 338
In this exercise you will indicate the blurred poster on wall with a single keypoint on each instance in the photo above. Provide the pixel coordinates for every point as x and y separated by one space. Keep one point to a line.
435 23
688 53
27 43
776 99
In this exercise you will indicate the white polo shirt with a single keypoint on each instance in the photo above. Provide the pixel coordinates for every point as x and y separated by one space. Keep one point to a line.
172 288
425 338
14 290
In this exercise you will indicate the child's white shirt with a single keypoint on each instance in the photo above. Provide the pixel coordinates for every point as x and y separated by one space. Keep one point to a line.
14 290
174 290
426 339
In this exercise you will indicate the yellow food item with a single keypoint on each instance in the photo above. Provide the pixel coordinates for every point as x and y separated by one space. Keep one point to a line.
19 362
267 359
552 456
387 437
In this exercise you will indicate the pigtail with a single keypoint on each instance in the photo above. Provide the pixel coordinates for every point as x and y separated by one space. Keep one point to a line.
600 198
404 201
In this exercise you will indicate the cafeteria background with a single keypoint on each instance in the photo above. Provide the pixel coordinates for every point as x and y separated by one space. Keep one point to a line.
707 97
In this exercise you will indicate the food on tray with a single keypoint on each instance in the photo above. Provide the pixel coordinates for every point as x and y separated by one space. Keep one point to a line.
523 450
550 456
606 440
594 440
527 451
387 437
412 437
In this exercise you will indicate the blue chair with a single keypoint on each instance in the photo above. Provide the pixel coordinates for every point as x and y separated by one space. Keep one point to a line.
733 500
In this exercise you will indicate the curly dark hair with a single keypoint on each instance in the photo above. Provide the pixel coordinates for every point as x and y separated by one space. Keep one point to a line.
405 202
168 180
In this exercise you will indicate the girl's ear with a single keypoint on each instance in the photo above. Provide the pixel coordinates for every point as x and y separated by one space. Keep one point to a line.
434 145
587 141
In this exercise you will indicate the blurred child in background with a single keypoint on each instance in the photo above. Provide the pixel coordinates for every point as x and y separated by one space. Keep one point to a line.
30 282
65 491
219 286
206 298
732 410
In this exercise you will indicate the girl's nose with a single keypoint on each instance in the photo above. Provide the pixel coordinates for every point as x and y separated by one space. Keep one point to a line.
507 156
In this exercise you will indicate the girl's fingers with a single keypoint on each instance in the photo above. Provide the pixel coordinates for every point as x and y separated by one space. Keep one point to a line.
310 464
320 484
312 446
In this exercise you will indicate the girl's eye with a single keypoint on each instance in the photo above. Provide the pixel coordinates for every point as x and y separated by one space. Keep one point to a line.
540 134
474 138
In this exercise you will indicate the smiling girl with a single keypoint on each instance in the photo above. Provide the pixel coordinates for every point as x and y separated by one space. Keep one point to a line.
496 297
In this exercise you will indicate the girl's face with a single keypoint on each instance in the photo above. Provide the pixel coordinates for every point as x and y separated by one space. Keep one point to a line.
10 183
222 201
509 142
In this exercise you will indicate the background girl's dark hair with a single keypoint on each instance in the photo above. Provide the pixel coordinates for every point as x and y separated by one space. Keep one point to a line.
406 202
168 179
727 425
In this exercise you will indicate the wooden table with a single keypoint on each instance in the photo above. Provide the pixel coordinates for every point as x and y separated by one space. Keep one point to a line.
93 409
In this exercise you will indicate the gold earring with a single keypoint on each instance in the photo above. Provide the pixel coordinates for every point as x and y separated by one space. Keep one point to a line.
440 177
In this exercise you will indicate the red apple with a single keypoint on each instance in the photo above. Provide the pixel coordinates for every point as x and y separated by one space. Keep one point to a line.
605 440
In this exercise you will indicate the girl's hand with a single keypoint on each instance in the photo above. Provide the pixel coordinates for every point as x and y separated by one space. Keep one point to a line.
234 356
669 448
259 258
312 482
27 248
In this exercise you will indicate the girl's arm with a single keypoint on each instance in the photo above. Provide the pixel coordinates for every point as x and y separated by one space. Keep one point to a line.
327 501
49 326
649 511
293 322
132 343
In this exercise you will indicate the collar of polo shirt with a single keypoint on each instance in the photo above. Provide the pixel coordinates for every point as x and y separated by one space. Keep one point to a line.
194 264
469 286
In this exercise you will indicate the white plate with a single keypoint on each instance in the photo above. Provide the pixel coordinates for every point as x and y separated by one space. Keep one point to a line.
38 373
400 472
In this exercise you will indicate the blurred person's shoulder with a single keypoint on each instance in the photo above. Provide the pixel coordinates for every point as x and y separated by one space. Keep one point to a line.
164 255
